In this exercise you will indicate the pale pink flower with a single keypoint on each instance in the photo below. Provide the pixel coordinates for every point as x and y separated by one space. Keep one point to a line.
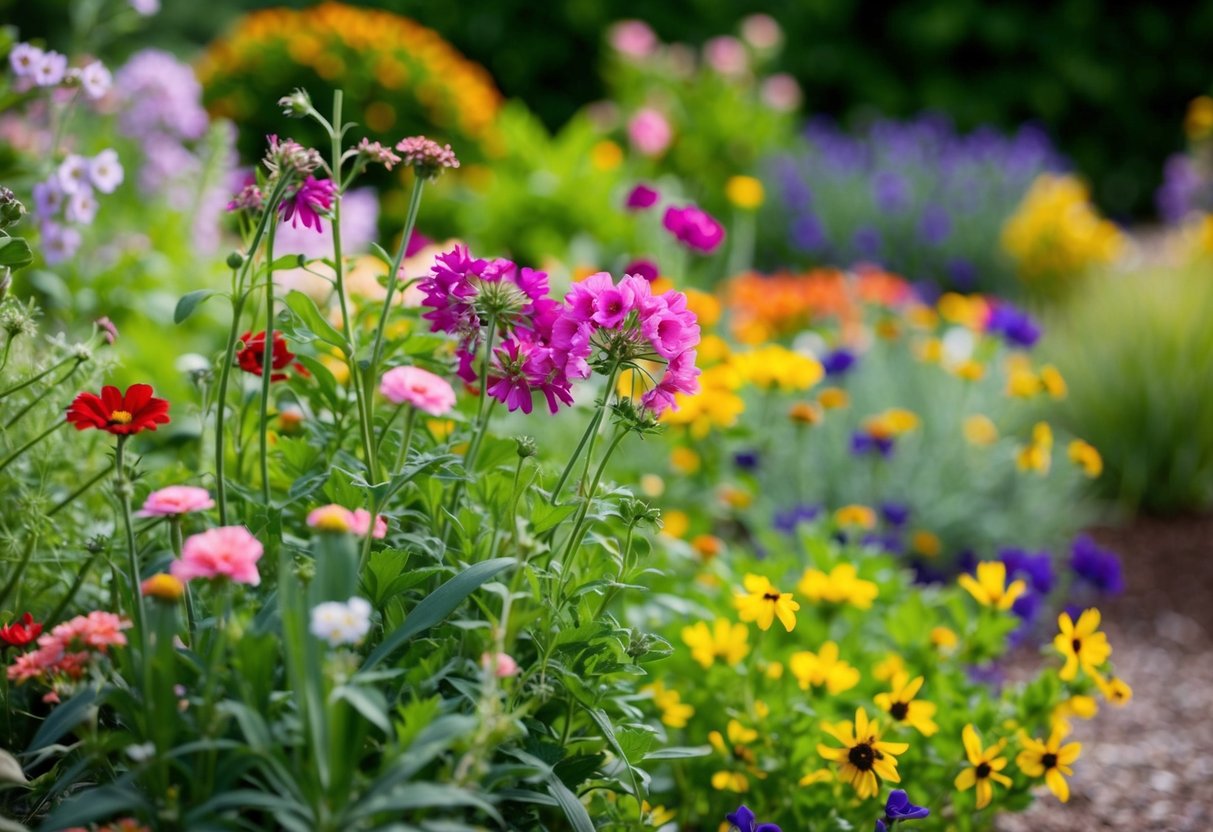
781 92
331 518
362 523
761 31
501 665
419 388
176 500
228 552
633 38
649 132
727 56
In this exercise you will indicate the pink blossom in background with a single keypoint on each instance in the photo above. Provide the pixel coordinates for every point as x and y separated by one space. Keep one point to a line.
501 665
727 55
781 92
331 518
633 38
644 268
694 227
227 552
419 388
176 500
761 31
362 524
649 132
641 197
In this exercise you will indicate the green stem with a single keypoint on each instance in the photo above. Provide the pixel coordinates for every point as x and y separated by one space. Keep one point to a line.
59 506
122 492
34 401
30 543
8 345
75 587
35 378
580 525
13 456
178 544
469 461
402 452
267 369
590 436
225 371
393 277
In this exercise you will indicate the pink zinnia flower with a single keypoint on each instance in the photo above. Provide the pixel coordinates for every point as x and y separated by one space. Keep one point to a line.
695 227
501 665
176 500
419 388
314 196
331 518
633 38
781 93
727 56
228 552
362 524
649 132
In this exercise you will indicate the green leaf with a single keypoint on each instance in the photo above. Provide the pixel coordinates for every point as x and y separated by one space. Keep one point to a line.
678 753
367 701
545 516
64 718
571 806
10 769
288 261
438 605
15 253
305 308
423 796
94 804
189 302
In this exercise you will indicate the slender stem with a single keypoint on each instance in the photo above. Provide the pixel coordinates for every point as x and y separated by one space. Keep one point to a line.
122 492
393 276
267 368
8 345
13 456
76 584
35 378
177 542
59 506
581 526
221 410
469 461
589 437
26 555
402 452
34 401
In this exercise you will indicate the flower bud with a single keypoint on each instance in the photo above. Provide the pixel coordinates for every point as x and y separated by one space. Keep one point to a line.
163 587
296 105
235 260
526 446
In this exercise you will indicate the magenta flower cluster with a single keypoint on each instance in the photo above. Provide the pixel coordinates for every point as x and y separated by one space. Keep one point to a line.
694 227
545 345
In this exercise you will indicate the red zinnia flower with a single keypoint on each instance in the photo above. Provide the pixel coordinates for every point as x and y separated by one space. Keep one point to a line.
251 357
118 413
21 632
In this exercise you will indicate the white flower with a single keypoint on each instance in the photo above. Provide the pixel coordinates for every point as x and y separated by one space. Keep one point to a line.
147 8
105 171
339 623
73 173
96 80
81 207
50 70
141 753
24 59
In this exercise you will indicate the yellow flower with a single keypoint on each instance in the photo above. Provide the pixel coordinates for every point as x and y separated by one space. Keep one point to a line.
1037 455
833 398
1085 456
855 516
888 667
1050 760
1081 644
863 757
841 586
1114 689
966 310
984 765
1056 233
773 671
1083 707
944 638
163 587
926 543
1022 383
606 155
723 639
674 523
930 351
737 751
806 413
734 497
440 429
980 430
823 668
970 370
706 306
707 546
775 367
762 603
674 712
715 405
990 586
890 423
821 775
1198 123
712 348
684 460
745 192
652 485
656 816
900 704
1053 382
922 316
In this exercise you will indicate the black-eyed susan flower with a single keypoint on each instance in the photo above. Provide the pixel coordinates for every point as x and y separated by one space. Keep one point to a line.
1085 456
842 585
823 668
899 703
820 775
864 760
985 765
990 586
674 712
888 667
762 603
1082 707
1114 689
724 640
944 638
833 398
855 517
1053 382
1081 644
656 816
1049 759
740 756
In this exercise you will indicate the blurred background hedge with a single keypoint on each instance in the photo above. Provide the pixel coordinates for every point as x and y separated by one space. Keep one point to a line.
1086 70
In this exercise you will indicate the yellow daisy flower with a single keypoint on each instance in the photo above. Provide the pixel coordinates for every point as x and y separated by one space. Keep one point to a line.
1081 644
888 667
724 640
1114 689
864 757
990 586
1085 456
984 765
762 603
980 430
900 704
674 712
738 752
823 668
841 586
858 516
1050 760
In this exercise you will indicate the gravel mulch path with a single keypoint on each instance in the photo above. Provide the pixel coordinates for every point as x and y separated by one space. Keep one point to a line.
1149 765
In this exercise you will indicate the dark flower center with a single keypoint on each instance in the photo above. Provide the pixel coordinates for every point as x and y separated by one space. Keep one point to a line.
1076 645
983 771
1049 760
899 710
770 596
862 756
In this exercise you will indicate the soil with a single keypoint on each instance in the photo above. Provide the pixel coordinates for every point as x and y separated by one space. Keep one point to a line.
1149 765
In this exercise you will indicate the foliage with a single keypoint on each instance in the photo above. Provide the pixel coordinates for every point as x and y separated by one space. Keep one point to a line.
1131 346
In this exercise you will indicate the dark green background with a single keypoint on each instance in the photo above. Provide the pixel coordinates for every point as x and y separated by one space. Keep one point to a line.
1110 81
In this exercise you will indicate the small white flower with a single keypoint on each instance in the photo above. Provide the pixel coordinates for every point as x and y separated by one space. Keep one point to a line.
141 753
958 346
105 171
81 207
339 623
96 80
51 69
73 173
192 362
24 59
147 8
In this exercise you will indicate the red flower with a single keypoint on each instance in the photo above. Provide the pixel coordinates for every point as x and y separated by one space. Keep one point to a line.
118 413
251 357
21 632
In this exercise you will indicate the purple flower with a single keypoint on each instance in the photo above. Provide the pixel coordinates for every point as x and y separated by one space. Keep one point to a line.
867 241
1037 567
838 362
641 197
891 192
50 70
745 820
962 272
747 460
105 171
788 519
24 59
695 227
1016 327
895 514
1100 568
934 225
313 198
898 807
645 268
417 241
863 443
96 80
807 233
428 158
